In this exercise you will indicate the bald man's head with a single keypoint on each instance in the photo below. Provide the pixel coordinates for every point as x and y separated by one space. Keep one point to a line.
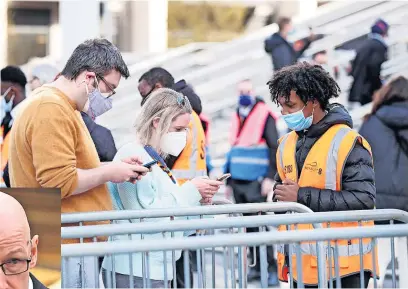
18 253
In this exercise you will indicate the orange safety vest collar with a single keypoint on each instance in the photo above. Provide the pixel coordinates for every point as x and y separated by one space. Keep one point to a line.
323 169
191 162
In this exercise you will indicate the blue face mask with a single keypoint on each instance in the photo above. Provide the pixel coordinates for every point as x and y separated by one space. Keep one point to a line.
245 100
297 121
292 32
6 106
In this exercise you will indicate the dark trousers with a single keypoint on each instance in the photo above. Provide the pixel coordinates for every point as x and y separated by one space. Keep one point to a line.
352 281
250 192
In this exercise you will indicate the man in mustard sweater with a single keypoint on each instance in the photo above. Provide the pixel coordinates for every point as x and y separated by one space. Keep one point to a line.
52 148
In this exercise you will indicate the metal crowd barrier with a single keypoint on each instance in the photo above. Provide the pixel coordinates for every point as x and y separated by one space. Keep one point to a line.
173 226
146 247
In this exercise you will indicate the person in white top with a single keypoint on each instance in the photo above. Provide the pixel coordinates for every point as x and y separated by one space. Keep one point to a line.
18 252
161 131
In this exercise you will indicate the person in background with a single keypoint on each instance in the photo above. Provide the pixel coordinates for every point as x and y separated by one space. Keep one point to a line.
386 129
251 161
101 136
366 66
282 52
13 83
191 162
42 74
51 120
18 251
303 160
161 130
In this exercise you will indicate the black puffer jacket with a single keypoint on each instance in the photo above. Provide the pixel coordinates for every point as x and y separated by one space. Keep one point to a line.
387 133
358 191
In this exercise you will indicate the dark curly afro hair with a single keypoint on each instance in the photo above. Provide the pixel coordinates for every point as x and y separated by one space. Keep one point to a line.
310 82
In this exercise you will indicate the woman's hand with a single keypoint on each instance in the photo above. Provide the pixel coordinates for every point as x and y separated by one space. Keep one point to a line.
207 188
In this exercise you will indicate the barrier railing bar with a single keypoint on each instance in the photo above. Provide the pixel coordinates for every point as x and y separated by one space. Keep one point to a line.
70 218
253 239
238 222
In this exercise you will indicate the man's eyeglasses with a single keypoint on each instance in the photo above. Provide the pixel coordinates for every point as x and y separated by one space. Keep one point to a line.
108 85
15 266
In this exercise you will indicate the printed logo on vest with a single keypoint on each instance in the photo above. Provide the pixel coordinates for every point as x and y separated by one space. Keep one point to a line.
313 167
288 169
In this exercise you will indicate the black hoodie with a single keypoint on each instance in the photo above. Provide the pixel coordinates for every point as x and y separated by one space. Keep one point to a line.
282 52
387 133
358 190
188 92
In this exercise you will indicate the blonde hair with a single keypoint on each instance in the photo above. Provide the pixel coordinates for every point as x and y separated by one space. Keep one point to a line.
165 104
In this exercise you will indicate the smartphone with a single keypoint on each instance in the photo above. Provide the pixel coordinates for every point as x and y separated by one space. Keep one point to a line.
223 177
150 164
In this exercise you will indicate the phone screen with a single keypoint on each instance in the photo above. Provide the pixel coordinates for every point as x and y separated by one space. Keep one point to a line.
149 165
224 177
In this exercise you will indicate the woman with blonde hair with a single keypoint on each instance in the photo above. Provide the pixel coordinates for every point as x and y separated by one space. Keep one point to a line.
161 131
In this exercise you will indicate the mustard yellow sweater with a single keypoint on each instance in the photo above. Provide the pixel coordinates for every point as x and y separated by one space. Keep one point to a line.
49 141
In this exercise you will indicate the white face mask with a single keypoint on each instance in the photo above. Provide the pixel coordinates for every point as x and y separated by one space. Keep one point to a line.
173 143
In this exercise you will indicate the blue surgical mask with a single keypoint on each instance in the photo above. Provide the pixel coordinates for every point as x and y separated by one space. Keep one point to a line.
297 121
245 100
292 32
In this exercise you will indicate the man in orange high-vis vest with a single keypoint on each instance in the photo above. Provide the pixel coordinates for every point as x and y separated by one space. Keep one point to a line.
191 162
323 164
251 161
13 82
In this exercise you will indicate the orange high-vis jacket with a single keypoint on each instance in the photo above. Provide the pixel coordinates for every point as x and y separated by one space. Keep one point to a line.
323 169
191 162
4 153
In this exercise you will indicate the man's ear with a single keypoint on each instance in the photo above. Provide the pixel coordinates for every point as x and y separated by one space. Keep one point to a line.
158 85
34 251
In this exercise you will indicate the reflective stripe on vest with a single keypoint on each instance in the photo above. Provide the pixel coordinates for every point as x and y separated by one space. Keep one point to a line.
187 166
332 156
323 169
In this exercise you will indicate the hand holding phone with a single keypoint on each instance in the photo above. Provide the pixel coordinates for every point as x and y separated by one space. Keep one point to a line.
223 177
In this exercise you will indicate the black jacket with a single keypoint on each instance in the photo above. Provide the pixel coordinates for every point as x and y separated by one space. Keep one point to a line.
358 191
366 70
102 138
37 284
387 133
189 92
195 102
282 52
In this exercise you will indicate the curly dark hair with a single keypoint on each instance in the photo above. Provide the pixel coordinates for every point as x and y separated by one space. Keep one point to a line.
310 82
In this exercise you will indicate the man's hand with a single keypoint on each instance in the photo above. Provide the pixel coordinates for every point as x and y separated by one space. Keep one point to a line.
119 172
287 192
267 186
